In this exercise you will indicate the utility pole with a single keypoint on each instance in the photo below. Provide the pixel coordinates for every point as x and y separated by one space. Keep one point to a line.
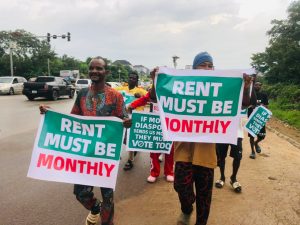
298 23
11 62
12 45
119 71
48 67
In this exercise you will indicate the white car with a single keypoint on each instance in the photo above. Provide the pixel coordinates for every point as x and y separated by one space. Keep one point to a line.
82 83
11 85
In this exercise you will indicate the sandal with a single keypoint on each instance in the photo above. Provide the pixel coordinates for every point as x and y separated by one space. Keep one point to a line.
237 187
128 165
184 219
257 148
219 183
252 156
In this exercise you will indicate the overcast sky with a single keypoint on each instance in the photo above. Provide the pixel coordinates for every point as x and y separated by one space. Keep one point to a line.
150 32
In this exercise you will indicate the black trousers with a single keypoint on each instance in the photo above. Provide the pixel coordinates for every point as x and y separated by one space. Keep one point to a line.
186 175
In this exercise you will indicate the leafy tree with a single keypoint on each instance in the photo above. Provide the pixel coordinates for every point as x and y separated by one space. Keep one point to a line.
281 60
114 73
64 63
83 68
30 54
26 43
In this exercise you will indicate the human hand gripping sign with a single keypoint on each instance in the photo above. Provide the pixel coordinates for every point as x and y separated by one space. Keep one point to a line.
43 108
248 79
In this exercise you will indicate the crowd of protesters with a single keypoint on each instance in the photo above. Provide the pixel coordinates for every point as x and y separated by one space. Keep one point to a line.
194 162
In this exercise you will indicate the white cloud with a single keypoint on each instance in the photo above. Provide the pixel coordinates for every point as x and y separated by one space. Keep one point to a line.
150 32
219 18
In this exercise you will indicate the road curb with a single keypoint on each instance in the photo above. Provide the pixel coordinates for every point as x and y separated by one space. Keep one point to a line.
290 140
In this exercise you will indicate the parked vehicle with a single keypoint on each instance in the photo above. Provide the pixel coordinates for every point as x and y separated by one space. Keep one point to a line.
32 79
11 85
70 75
49 87
82 83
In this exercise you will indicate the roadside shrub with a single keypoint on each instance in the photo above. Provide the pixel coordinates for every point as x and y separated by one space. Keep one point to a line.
284 102
287 97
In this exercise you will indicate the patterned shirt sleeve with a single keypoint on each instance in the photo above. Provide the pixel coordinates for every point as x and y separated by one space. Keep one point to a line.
76 107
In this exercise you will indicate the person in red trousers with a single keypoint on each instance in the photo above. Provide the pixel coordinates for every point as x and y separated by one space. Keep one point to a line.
154 157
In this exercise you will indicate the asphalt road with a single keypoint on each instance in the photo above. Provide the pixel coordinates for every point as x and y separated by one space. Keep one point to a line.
270 183
25 201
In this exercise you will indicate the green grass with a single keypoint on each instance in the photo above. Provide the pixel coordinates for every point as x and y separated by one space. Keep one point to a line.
291 117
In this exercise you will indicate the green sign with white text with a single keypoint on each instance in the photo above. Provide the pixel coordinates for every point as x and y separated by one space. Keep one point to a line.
199 105
77 149
257 120
146 135
92 138
198 95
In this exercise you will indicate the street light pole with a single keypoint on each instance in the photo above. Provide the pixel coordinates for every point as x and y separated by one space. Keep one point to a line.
119 75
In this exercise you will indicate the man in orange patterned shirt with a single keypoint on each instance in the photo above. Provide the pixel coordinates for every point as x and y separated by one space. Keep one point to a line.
98 100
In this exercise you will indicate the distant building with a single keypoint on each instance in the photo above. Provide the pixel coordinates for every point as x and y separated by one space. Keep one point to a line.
141 69
123 62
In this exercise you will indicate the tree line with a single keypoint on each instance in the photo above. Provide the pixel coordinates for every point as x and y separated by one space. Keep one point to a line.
280 66
31 55
280 62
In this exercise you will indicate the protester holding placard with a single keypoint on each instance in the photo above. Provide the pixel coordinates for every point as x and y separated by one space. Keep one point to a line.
137 92
98 100
195 161
154 157
262 99
235 153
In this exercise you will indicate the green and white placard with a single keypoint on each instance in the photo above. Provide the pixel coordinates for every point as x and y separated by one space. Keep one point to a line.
77 149
128 98
199 105
145 134
257 120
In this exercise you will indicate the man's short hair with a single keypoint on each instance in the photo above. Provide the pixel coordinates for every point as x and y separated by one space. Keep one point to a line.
135 73
99 57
